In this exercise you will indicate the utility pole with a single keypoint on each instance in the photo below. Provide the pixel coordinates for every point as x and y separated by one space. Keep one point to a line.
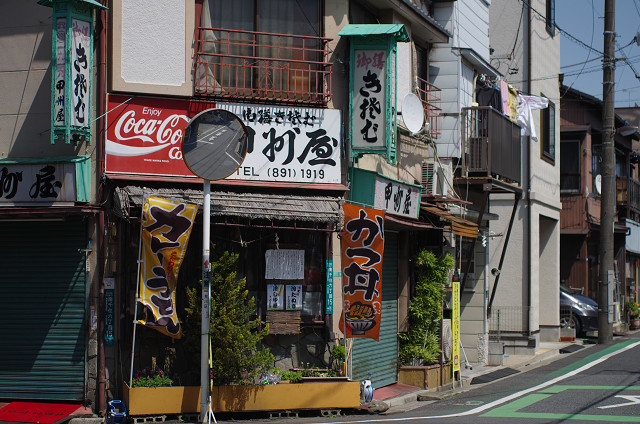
608 200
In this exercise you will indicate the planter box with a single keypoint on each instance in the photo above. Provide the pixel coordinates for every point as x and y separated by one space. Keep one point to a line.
161 400
277 397
430 377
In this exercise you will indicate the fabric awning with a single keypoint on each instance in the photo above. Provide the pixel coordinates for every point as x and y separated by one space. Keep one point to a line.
396 222
277 207
459 226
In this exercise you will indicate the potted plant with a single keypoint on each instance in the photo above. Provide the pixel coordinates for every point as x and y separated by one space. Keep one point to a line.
633 310
152 393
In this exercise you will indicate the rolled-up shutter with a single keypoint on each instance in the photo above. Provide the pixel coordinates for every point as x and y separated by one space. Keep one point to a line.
42 310
381 358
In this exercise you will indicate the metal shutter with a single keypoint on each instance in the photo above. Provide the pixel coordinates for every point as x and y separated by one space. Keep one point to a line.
42 310
381 358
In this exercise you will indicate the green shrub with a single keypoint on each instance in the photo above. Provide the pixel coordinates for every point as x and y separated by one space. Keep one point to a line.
291 375
422 341
237 354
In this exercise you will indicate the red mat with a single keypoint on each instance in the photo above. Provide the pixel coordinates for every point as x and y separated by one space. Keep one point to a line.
33 412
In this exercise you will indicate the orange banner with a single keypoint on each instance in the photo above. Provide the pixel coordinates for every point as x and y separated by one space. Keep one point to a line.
166 227
362 242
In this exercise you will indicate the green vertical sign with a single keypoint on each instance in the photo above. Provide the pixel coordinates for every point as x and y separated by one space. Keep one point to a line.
329 298
109 288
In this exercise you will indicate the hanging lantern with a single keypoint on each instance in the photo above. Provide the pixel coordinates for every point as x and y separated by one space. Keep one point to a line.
72 69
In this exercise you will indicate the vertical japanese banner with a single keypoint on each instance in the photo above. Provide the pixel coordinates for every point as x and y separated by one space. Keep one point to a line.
59 72
166 227
81 58
369 99
362 242
455 324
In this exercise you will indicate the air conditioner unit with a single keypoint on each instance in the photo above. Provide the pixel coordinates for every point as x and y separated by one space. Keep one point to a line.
437 178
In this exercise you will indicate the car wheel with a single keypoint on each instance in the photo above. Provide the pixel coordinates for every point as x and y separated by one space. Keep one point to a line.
570 321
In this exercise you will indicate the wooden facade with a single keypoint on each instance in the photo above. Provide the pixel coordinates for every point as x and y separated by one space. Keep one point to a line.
581 138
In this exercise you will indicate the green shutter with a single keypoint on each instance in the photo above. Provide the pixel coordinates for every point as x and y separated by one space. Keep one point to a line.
381 358
42 310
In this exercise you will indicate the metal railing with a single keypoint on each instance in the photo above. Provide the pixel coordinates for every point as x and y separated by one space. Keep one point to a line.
491 144
508 319
430 95
634 194
254 65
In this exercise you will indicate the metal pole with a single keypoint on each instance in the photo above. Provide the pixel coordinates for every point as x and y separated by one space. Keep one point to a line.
135 307
206 303
607 214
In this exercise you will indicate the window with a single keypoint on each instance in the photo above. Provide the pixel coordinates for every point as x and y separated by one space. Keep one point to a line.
548 124
262 49
570 166
551 17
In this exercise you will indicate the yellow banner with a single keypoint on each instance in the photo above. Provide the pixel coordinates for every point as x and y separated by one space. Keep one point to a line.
166 226
455 324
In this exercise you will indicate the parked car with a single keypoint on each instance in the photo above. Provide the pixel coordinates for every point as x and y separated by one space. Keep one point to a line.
577 311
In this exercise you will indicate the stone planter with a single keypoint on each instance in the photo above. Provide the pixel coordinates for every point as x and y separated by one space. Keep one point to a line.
635 323
278 397
161 400
430 377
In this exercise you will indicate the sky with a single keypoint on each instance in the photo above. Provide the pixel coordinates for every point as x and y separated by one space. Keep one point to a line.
581 25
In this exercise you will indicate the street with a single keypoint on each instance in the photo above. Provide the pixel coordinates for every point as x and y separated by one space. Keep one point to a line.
598 384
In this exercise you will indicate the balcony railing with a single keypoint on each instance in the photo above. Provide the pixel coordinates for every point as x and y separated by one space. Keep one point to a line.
431 101
491 144
251 65
634 195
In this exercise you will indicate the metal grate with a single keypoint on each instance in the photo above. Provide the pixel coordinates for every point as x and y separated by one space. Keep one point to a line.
508 319
254 65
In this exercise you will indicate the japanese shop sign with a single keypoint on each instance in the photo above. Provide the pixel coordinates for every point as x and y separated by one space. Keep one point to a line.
286 144
81 58
369 106
289 144
455 324
59 66
166 227
329 293
362 243
275 297
397 198
294 297
29 184
109 288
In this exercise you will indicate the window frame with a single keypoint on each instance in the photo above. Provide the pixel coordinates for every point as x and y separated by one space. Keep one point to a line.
578 189
548 133
550 17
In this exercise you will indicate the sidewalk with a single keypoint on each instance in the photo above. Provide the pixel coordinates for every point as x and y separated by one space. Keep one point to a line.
400 398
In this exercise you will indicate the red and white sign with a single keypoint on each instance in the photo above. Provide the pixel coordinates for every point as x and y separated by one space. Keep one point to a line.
144 135
285 144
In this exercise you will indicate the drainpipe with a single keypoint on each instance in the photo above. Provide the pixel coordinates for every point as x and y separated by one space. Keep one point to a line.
528 179
101 109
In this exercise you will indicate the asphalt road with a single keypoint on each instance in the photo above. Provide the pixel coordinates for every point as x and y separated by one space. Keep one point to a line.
598 384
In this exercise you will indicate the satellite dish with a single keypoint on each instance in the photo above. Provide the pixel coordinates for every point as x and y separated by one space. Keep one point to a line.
214 144
412 113
598 184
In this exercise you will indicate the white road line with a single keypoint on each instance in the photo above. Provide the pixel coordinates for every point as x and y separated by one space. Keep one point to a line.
500 401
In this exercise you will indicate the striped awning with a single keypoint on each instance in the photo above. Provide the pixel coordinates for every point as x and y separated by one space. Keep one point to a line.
459 226
276 207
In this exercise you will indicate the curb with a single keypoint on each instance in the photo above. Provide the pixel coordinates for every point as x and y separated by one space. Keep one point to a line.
425 395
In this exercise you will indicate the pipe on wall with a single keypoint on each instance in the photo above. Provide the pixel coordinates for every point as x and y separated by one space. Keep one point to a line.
101 109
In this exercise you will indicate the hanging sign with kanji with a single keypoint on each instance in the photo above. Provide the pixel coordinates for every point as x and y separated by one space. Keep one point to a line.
362 242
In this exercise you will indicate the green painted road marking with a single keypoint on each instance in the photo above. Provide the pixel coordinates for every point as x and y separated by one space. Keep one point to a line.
593 357
561 388
510 410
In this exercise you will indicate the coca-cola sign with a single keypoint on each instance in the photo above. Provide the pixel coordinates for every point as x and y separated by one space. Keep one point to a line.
285 143
144 134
